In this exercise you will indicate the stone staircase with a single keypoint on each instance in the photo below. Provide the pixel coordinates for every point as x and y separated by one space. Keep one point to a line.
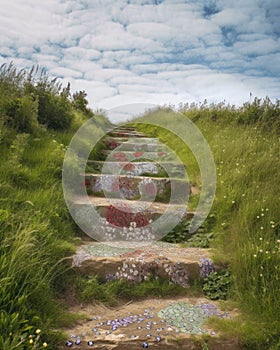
127 248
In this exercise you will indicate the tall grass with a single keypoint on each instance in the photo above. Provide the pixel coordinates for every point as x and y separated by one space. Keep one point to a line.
36 235
245 146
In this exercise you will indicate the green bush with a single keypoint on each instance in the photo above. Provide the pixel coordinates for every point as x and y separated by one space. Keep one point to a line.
217 284
54 111
21 113
31 97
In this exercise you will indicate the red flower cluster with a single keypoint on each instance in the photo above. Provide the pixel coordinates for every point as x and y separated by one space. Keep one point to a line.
138 154
87 183
121 218
120 156
113 144
129 167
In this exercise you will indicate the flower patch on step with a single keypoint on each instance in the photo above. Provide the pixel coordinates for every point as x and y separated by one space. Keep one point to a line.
190 318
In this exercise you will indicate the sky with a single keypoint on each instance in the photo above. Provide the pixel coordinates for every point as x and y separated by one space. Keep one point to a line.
149 51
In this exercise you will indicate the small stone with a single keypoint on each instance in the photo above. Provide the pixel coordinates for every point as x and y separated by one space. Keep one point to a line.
148 335
78 342
158 339
90 343
68 344
145 345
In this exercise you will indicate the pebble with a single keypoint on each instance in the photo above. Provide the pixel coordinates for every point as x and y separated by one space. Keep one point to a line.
145 345
90 343
68 343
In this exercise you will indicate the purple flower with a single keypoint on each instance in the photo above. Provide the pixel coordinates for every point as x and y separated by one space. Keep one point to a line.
206 267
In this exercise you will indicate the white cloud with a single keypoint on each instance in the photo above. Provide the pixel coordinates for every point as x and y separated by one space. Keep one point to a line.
121 52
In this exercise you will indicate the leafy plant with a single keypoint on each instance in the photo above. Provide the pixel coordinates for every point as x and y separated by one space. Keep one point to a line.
217 284
179 234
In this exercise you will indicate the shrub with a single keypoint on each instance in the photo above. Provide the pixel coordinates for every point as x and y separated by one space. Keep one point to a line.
54 111
21 113
217 284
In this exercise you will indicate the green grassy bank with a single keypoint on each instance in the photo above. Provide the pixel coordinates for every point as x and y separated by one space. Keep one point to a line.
37 121
244 219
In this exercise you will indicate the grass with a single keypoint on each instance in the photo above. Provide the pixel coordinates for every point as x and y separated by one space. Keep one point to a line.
91 289
36 235
246 207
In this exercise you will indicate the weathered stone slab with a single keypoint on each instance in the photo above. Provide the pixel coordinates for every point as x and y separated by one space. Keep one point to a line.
135 146
137 323
162 259
138 168
116 133
123 156
136 187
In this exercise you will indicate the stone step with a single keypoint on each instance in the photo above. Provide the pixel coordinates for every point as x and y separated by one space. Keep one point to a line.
151 207
136 187
156 323
119 156
126 128
150 322
130 221
138 168
135 146
120 133
159 259
132 139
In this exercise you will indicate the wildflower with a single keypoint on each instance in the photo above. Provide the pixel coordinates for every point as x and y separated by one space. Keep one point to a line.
45 345
261 227
232 202
258 217
261 238
138 154
31 341
38 331
255 255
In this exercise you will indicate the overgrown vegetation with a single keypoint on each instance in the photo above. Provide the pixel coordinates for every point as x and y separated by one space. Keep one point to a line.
92 289
37 121
38 117
216 286
246 229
